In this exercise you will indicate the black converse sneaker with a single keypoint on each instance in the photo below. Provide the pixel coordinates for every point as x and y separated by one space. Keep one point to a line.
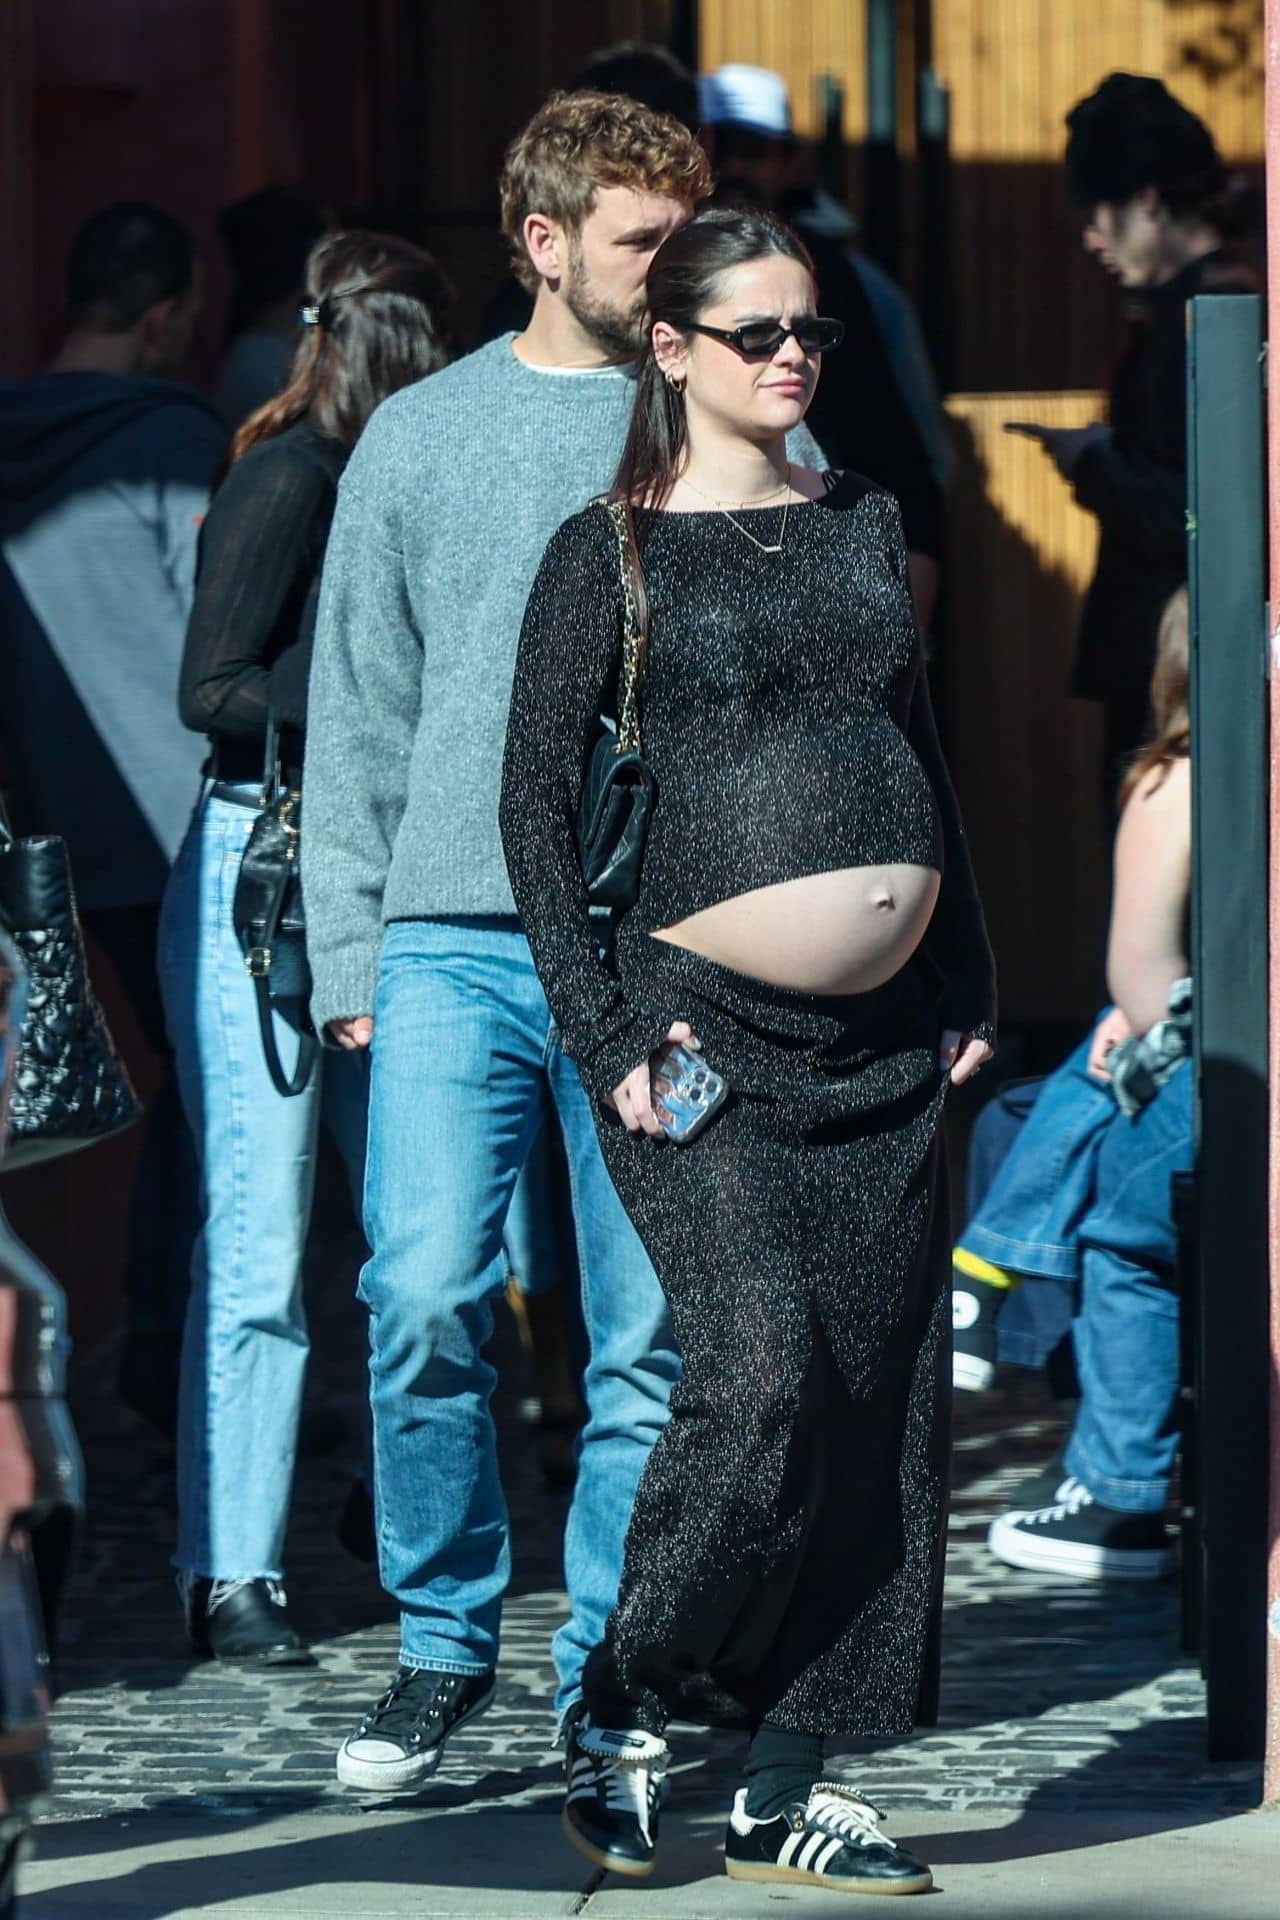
831 1840
613 1787
1077 1537
401 1742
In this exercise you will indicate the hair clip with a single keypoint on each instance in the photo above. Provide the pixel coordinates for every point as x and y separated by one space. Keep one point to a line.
310 315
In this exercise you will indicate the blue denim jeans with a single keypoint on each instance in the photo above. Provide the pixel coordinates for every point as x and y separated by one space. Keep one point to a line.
1028 1221
1125 1437
1085 1196
244 1350
463 1049
538 1236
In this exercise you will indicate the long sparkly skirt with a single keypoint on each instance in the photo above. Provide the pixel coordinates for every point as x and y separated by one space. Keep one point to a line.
784 1558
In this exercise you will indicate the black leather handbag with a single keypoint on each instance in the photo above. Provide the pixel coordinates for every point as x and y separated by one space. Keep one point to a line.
70 1084
618 787
267 915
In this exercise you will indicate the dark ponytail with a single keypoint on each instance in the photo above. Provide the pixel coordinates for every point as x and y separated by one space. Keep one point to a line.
682 282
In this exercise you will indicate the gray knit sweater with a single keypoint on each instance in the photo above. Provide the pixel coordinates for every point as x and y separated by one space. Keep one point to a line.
445 508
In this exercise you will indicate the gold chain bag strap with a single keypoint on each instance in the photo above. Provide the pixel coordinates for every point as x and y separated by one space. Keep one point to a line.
618 787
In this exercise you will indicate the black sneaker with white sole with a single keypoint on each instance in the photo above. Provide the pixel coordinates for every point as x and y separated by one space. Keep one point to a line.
831 1840
1080 1539
400 1744
613 1789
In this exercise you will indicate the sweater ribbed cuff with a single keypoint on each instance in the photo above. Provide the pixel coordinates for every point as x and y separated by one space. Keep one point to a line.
342 985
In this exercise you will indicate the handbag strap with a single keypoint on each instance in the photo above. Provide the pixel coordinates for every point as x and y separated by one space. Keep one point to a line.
272 774
307 1045
258 961
635 625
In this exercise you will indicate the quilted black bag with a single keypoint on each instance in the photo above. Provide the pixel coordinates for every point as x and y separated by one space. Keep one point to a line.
70 1084
267 915
618 787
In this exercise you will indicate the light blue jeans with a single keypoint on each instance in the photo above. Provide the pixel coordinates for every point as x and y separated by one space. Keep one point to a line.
244 1349
463 1049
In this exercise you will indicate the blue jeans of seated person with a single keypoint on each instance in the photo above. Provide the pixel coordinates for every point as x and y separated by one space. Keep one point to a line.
1085 1196
1034 1325
1028 1220
463 1049
1125 1437
244 1351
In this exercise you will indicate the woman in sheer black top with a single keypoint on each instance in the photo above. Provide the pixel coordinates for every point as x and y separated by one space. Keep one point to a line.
807 915
374 320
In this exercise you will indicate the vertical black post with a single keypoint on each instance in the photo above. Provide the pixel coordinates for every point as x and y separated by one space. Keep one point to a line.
831 154
881 223
1227 523
933 193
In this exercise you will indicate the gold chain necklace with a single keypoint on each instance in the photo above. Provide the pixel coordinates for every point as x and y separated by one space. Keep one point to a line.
764 546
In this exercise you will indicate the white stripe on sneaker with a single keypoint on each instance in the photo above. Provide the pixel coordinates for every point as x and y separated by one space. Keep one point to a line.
833 1847
814 1845
790 1847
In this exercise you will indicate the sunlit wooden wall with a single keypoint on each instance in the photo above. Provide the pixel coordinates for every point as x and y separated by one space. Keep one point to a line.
1035 328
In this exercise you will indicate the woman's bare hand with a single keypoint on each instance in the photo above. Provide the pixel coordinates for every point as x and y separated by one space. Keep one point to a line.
633 1097
962 1055
354 1033
1108 1034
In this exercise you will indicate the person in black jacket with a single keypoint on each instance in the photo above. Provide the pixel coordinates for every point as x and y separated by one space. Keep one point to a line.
374 322
1157 206
868 412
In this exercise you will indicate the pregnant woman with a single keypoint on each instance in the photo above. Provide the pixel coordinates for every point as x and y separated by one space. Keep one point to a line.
807 916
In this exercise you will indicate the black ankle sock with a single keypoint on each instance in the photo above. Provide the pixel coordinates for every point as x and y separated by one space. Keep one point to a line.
781 1768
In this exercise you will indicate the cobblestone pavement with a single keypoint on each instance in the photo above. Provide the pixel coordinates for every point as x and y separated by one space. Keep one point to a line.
1056 1697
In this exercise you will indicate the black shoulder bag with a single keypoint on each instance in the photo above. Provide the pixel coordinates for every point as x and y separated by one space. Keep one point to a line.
618 787
70 1085
268 919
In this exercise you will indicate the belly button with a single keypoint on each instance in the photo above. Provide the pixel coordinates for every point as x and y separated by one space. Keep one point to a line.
883 902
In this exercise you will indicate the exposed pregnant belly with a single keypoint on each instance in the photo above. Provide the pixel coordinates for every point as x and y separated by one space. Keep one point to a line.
843 932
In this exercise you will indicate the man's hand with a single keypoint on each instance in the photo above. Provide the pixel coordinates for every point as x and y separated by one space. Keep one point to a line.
353 1033
1108 1033
633 1097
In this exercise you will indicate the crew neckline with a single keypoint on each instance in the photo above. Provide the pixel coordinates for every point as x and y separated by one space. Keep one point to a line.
562 373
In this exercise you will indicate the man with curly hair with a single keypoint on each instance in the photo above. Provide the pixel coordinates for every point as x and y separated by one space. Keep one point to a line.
444 512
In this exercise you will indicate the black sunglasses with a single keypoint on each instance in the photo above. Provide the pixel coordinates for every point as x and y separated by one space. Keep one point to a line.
762 338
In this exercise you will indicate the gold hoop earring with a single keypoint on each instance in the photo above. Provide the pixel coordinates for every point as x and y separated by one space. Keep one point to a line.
676 386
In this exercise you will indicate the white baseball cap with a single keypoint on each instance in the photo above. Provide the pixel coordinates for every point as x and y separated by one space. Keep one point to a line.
742 96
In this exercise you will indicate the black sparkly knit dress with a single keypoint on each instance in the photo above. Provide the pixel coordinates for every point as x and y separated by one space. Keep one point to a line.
784 1557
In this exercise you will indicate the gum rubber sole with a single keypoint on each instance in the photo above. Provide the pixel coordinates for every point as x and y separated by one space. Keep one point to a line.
402 1776
764 1872
630 1869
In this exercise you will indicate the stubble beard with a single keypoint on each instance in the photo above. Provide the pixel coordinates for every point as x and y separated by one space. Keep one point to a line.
620 331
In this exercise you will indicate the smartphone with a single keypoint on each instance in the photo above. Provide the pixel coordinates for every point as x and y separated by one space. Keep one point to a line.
687 1094
1029 428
